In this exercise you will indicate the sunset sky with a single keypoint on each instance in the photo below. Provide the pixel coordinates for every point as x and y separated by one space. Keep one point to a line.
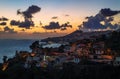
70 12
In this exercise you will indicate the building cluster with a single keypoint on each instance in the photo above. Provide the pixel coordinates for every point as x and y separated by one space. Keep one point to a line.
49 55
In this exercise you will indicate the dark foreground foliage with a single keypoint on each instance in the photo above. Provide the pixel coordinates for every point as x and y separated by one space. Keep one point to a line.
69 71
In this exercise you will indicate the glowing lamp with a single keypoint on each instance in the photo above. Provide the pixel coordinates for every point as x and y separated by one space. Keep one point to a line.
32 54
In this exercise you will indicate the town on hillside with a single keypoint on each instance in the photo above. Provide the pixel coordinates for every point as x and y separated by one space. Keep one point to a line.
100 48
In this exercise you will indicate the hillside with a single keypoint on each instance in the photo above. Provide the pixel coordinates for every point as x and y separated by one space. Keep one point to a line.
76 35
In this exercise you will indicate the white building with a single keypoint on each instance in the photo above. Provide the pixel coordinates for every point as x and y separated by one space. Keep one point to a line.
52 45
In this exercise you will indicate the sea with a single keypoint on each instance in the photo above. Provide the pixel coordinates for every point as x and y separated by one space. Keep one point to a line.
8 47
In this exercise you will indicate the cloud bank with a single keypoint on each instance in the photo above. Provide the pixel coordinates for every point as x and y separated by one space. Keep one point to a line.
56 25
108 12
105 16
4 19
8 31
28 15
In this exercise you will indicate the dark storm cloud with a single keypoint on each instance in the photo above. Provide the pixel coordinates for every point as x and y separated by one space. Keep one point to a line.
23 24
3 19
29 12
14 22
9 30
52 25
66 25
54 17
56 25
94 22
109 12
3 23
26 24
28 15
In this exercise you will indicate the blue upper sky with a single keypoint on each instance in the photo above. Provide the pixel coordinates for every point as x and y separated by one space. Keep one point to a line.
78 4
77 9
75 6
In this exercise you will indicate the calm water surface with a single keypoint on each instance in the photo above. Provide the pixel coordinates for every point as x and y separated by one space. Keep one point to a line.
9 46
